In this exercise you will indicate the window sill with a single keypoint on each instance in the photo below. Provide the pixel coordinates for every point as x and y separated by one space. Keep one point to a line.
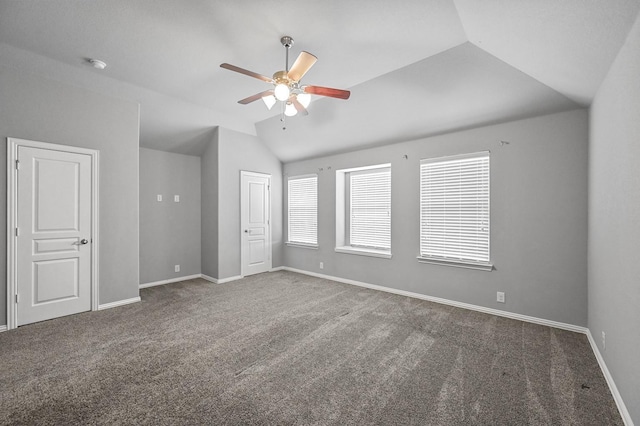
364 252
302 245
457 263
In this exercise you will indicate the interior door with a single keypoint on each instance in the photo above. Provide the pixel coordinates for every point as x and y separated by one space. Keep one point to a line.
255 222
53 234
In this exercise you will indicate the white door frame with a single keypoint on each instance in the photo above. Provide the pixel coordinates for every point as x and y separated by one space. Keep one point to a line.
242 196
12 219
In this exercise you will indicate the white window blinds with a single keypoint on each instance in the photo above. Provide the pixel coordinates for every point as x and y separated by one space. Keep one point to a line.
370 209
303 210
454 208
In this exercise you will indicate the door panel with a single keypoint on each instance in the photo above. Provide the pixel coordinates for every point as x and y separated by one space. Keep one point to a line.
255 221
54 241
54 280
256 252
55 245
256 203
55 186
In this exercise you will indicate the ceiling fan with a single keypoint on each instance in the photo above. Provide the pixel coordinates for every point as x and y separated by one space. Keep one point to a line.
294 96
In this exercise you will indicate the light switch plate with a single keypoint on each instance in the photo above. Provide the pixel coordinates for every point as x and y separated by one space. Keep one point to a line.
159 198
176 198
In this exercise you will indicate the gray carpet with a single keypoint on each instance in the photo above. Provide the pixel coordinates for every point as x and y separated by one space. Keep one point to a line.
283 348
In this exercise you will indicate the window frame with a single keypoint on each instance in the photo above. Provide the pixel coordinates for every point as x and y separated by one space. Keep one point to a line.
343 212
484 207
302 244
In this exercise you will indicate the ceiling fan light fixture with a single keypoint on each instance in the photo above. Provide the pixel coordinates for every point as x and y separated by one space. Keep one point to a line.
269 101
304 99
282 92
290 110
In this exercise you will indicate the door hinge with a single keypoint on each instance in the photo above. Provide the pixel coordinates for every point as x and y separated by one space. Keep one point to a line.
17 164
17 297
17 231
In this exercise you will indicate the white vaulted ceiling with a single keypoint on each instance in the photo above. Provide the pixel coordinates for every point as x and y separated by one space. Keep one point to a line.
414 68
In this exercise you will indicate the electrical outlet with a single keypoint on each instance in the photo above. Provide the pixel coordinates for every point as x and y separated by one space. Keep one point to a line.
176 198
321 265
500 297
177 268
159 197
604 342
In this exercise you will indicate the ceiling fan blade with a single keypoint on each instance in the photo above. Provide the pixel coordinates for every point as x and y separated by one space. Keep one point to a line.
255 97
300 67
327 91
246 72
299 107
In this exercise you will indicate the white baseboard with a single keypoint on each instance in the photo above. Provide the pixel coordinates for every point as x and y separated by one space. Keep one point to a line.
169 281
226 280
237 277
221 281
3 328
491 311
208 278
624 413
118 303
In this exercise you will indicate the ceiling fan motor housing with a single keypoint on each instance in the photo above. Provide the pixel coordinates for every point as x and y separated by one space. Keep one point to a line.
281 77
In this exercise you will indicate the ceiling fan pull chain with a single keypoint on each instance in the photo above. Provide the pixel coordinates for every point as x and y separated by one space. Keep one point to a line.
283 118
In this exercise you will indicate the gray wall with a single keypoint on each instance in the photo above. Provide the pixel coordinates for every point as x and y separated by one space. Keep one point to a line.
44 110
614 221
169 231
538 219
209 169
236 152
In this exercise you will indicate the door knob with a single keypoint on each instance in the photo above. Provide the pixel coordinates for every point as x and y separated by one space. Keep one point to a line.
84 241
246 230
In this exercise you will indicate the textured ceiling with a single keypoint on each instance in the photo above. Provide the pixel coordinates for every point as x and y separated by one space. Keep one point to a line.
424 68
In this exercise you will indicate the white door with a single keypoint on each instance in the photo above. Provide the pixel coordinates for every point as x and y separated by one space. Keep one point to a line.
54 234
255 221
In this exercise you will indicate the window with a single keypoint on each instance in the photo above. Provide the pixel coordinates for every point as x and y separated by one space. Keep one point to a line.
303 210
454 211
363 213
370 209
